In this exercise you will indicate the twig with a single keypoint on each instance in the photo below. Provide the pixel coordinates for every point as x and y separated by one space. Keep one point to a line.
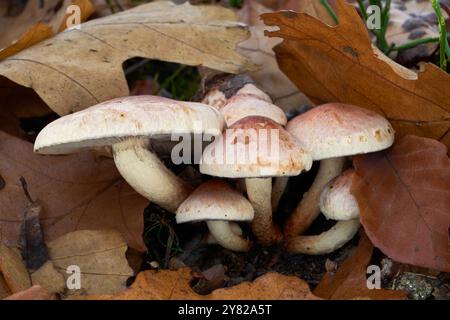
24 184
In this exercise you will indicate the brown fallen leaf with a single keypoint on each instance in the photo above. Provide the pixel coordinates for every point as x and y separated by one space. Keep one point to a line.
10 123
100 255
80 68
4 289
49 278
19 102
32 293
313 8
36 23
339 64
79 191
349 281
404 200
258 49
174 285
35 34
13 269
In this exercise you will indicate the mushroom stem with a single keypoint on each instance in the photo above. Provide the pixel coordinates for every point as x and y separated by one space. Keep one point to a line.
259 193
327 241
224 235
234 227
278 188
308 208
142 169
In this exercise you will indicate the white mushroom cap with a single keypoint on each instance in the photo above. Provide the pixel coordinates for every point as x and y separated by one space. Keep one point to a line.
254 147
215 200
336 130
336 201
112 121
244 105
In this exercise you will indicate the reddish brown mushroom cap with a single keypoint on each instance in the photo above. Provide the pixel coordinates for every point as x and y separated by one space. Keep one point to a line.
255 147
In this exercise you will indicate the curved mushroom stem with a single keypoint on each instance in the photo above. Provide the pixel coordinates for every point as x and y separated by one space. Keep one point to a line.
224 235
308 208
142 169
278 188
259 193
327 241
234 227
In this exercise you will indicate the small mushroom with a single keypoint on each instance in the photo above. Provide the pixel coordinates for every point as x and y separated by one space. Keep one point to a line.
257 149
331 132
235 228
217 203
129 125
337 203
251 101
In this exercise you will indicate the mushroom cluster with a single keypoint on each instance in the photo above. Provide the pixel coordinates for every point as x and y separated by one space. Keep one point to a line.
254 146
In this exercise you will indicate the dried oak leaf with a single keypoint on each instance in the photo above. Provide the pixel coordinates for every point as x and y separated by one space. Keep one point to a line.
37 23
339 64
403 195
32 293
349 281
79 191
174 285
258 49
100 255
13 269
81 67
4 289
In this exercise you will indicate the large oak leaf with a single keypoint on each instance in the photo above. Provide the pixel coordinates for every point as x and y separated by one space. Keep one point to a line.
404 200
79 191
339 64
81 67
